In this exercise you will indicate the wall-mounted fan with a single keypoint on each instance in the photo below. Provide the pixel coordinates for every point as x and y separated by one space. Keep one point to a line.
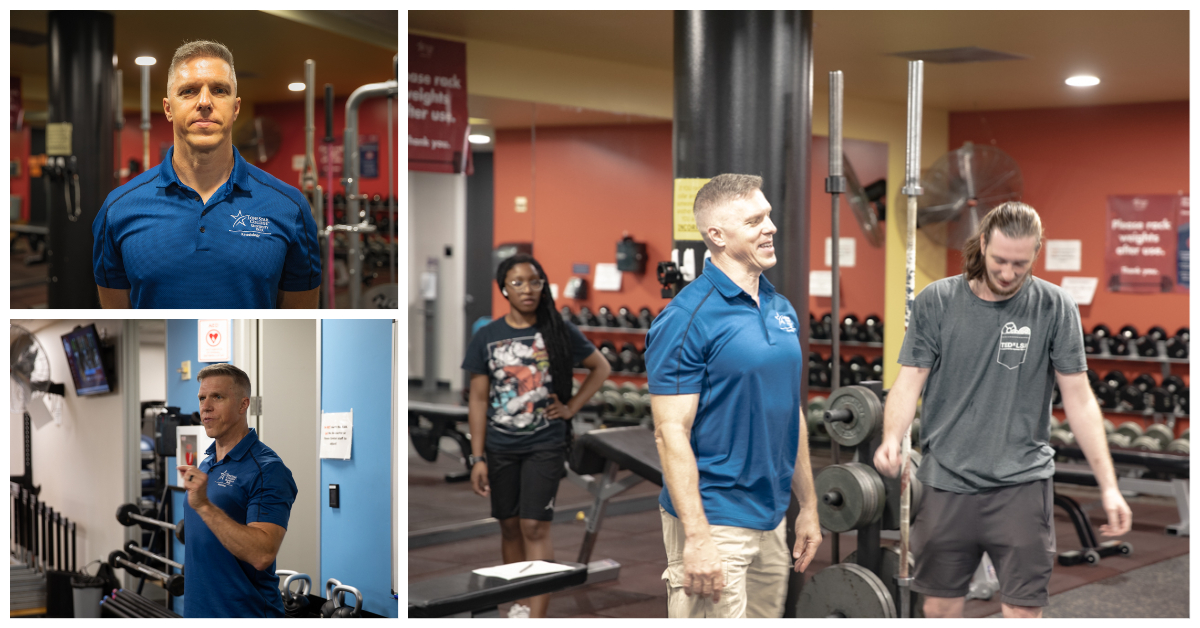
862 201
961 187
29 381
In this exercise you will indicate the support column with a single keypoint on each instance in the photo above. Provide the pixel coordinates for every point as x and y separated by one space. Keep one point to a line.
743 104
80 86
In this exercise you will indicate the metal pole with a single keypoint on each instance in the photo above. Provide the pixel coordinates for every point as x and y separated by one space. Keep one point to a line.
350 141
912 189
329 280
835 185
145 118
308 178
390 241
429 381
119 110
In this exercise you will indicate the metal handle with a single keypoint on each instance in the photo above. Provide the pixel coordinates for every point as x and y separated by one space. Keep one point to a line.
835 124
912 164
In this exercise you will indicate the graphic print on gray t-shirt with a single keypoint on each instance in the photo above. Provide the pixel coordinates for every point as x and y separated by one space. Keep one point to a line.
986 408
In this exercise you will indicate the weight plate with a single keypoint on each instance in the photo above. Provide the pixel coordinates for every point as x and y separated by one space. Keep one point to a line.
845 590
890 568
1118 440
849 496
891 486
1130 429
1180 446
865 409
1062 438
1147 443
1161 432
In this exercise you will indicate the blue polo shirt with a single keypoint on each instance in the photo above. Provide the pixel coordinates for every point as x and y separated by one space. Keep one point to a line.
250 484
254 237
744 361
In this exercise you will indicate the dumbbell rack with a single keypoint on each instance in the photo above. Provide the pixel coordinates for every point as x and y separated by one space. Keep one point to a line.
1167 364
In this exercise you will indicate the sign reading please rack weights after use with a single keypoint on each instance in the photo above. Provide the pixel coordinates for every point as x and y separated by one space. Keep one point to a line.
437 105
1142 242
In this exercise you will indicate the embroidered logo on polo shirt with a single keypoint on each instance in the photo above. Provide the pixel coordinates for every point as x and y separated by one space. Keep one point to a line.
226 479
250 226
785 323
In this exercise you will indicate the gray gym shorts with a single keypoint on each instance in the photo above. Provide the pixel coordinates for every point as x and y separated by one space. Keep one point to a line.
1013 524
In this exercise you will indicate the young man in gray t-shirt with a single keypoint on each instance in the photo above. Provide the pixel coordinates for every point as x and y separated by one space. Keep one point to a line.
987 346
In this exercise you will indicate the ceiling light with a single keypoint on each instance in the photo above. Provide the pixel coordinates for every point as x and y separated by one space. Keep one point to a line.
144 60
479 139
1083 81
296 87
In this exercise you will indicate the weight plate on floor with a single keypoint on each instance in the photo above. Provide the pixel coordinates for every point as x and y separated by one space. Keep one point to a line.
865 410
849 496
845 590
890 568
891 486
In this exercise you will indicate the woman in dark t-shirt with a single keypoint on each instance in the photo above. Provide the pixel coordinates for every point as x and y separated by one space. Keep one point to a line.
520 410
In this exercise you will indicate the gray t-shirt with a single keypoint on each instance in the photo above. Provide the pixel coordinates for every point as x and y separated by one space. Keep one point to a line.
985 419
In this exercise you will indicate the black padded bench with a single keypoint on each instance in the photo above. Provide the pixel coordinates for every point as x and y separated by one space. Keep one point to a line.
605 452
444 411
480 595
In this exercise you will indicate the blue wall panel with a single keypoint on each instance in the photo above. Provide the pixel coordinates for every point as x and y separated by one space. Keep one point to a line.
356 539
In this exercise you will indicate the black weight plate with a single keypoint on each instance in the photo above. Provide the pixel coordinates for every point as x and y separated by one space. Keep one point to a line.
849 496
1145 382
1116 379
845 590
865 408
890 568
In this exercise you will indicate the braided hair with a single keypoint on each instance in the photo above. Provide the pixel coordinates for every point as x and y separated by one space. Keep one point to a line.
551 326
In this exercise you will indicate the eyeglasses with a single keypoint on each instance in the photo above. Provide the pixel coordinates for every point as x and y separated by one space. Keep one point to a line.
536 284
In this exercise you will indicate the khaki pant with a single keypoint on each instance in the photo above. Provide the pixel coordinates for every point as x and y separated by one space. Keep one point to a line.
756 566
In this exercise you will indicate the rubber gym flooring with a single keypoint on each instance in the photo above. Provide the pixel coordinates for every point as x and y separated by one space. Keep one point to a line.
1153 582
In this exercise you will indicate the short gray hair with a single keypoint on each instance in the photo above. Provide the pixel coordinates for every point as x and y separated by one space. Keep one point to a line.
202 48
719 191
240 379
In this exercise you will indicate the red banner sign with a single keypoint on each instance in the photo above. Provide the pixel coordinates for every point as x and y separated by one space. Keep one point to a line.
437 105
1140 252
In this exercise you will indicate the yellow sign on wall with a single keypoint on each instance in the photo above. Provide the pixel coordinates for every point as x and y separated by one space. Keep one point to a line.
684 221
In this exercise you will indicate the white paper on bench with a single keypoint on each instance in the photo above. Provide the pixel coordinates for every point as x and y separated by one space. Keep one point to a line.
522 569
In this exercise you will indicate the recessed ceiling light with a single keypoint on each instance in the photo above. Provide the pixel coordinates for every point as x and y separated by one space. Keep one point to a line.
478 139
144 60
296 87
1083 81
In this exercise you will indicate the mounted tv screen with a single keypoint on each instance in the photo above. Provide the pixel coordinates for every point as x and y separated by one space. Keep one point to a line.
87 369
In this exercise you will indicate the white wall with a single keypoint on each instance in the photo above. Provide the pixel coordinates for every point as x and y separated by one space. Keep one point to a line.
153 371
437 210
79 464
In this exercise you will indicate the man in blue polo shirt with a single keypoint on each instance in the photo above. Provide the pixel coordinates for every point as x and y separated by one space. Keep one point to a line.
725 364
238 504
205 228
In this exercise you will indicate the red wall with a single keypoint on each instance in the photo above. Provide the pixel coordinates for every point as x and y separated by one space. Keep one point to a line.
1072 160
590 185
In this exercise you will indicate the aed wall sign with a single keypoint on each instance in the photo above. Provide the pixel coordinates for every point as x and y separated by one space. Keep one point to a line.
215 345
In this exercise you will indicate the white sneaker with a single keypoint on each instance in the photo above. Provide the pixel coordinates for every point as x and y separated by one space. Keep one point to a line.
518 611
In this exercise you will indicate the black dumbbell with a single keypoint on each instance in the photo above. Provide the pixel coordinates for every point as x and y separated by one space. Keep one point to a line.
1156 333
1144 382
874 327
1116 379
860 370
1146 347
824 374
586 318
849 328
1176 348
173 583
627 318
606 317
1106 395
1182 398
1101 331
632 358
645 317
1159 400
568 315
1174 384
1118 345
820 328
1092 344
1131 398
1129 332
1183 334
877 369
814 366
609 351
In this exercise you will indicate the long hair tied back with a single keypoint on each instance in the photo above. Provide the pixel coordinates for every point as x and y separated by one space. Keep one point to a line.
1014 219
550 324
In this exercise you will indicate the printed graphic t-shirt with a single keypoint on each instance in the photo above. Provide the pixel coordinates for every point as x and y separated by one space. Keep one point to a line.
518 370
985 419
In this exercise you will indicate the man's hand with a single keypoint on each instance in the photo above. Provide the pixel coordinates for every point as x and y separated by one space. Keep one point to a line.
703 573
557 409
1120 518
479 480
808 538
887 458
196 484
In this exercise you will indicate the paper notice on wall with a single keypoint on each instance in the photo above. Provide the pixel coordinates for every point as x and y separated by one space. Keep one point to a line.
1082 289
191 443
214 340
337 434
683 219
820 283
1064 255
607 278
845 252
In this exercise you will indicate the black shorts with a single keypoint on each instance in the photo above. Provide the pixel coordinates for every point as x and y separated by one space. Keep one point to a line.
1013 524
525 484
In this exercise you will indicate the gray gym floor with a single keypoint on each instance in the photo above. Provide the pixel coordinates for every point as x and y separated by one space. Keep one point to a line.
1158 590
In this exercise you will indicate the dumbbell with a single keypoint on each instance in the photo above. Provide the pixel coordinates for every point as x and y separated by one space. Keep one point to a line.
1176 348
1109 426
1179 446
1156 333
1101 331
873 326
1183 399
814 365
136 554
606 317
173 583
1160 401
1144 382
1062 438
824 373
632 358
633 404
609 351
627 318
586 318
130 515
1106 396
1129 332
1156 438
1131 399
645 318
1146 347
824 327
1116 379
860 370
1130 429
849 327
1173 384
568 315
611 404
1093 378
1118 440
295 601
1091 344
1118 345
877 369
340 611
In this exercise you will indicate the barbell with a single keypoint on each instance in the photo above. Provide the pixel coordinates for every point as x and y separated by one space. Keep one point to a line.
173 583
130 515
132 548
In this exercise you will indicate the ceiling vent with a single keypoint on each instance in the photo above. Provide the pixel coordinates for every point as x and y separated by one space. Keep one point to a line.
969 54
